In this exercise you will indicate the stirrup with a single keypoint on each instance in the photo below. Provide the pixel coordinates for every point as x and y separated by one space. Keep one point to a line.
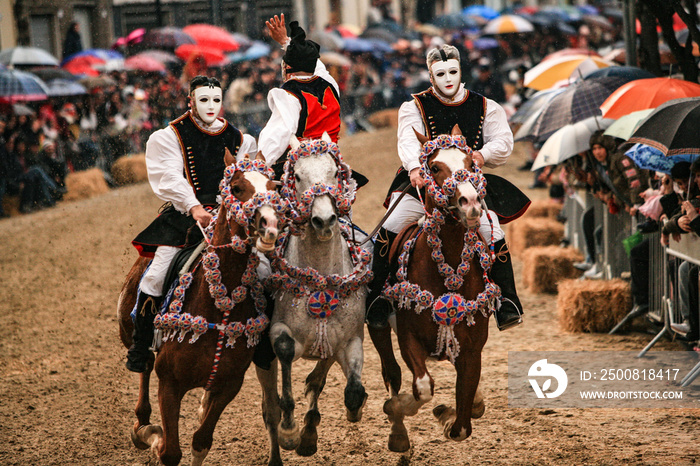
509 323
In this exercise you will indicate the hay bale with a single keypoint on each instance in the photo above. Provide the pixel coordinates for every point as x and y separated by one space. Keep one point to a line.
130 169
388 118
533 231
547 208
545 266
85 184
592 305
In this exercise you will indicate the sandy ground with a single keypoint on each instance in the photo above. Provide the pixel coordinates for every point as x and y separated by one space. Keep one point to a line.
67 398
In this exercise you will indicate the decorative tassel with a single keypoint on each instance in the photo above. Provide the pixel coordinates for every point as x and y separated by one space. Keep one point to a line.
321 345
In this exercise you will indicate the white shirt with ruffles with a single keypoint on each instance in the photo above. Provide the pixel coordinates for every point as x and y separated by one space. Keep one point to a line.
165 164
498 137
284 122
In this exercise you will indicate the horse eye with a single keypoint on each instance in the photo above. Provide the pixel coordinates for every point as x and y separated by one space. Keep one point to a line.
236 190
434 169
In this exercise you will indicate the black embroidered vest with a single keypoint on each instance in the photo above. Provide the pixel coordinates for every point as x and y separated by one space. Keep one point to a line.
203 155
439 117
320 107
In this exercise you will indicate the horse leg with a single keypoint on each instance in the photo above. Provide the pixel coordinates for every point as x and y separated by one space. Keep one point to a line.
144 433
391 371
168 446
470 403
350 359
284 346
270 409
402 405
215 404
314 385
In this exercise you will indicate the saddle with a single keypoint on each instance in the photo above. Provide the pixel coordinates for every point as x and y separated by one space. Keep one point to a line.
407 234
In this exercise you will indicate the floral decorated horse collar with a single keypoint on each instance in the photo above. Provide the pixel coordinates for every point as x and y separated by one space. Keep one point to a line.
451 307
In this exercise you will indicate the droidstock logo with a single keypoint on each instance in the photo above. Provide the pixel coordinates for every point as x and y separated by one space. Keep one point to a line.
541 369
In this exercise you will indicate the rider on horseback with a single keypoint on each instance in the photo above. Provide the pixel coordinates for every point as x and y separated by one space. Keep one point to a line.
483 123
185 163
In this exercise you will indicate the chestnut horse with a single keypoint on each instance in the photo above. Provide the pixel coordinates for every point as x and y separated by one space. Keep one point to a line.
201 304
443 293
320 281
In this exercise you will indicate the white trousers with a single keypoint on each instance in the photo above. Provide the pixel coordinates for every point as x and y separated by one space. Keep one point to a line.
410 210
153 279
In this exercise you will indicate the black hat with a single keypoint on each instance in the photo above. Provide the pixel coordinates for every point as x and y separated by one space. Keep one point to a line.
301 54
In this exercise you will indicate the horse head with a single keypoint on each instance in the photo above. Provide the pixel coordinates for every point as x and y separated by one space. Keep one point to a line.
251 199
454 181
318 183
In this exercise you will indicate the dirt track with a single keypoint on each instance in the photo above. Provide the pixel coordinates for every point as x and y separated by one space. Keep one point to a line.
67 398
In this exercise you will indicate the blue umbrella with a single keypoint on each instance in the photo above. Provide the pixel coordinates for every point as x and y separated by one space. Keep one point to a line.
18 86
257 49
358 45
485 43
455 22
102 54
650 158
64 87
481 11
380 45
628 72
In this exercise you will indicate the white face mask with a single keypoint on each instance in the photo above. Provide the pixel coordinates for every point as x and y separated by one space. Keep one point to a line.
208 103
446 76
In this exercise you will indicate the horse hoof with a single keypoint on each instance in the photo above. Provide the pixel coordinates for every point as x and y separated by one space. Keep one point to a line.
142 437
399 443
308 447
439 410
356 416
289 439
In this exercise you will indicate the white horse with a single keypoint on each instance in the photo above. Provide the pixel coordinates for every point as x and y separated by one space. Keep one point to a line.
320 281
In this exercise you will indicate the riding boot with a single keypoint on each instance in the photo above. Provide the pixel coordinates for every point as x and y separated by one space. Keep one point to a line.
139 354
378 308
509 314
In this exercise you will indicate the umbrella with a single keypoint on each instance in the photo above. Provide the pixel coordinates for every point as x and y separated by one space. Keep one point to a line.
571 51
596 20
562 13
64 87
103 54
257 50
211 55
568 141
357 45
630 72
626 124
93 82
27 56
22 110
144 63
480 11
455 22
348 30
213 37
159 55
533 104
672 128
47 74
166 38
381 46
575 103
84 65
380 34
508 24
650 158
18 86
335 59
485 43
327 39
243 40
646 93
547 73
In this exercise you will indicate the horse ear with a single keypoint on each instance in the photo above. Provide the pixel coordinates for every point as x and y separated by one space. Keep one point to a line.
294 142
456 131
422 138
229 159
260 156
325 137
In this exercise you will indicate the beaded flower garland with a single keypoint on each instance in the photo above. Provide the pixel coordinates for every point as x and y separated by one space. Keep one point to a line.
343 193
321 295
175 323
449 308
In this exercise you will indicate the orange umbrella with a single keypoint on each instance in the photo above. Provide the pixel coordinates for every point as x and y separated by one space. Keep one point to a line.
213 37
571 51
211 55
646 93
547 73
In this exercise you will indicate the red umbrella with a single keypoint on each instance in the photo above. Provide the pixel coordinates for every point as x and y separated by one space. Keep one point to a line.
214 37
646 93
84 64
212 56
143 63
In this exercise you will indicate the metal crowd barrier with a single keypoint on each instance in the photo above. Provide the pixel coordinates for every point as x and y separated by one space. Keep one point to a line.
574 207
616 227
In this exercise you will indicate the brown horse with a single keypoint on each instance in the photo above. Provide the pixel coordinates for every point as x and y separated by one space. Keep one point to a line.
248 216
443 293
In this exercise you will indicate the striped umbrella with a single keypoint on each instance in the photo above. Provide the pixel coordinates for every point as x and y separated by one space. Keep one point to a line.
508 24
18 86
